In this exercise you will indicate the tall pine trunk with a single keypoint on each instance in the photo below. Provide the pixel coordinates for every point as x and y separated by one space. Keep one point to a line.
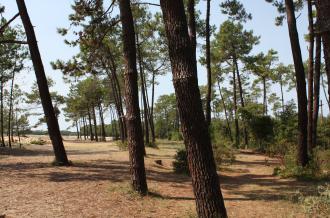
316 102
133 118
310 76
143 91
264 85
237 132
10 114
103 134
241 94
90 125
323 19
301 83
208 64
209 200
95 124
52 123
1 112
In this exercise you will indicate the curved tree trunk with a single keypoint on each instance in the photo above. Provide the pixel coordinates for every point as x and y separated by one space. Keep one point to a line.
301 83
133 118
209 200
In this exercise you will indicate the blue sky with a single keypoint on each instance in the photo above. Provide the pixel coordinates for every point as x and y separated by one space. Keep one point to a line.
48 15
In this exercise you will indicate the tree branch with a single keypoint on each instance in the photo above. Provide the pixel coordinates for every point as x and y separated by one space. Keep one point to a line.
2 29
12 42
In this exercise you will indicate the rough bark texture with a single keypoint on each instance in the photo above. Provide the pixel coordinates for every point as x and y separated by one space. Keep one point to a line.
301 83
90 125
310 76
133 118
103 134
323 28
316 88
264 85
95 124
209 200
208 64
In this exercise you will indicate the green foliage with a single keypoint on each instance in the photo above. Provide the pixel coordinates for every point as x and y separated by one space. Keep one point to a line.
38 142
123 146
290 167
180 164
224 153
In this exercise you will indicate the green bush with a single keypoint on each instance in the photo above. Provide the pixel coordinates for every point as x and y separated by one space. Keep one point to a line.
123 146
292 169
223 153
318 204
38 142
180 163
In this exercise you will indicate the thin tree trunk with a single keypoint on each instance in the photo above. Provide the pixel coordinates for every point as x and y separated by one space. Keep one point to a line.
208 64
84 127
17 130
90 125
10 114
316 88
102 123
52 123
237 133
265 111
226 114
77 129
310 76
282 95
301 84
209 200
95 124
1 115
133 119
143 91
241 94
325 92
152 124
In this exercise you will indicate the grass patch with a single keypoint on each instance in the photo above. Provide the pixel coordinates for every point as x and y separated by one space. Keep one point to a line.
38 142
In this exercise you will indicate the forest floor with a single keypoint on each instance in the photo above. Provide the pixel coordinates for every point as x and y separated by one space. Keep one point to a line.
97 185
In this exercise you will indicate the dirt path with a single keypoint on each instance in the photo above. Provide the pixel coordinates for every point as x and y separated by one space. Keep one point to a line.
97 185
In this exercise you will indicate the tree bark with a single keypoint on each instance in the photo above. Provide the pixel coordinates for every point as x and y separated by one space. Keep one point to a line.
241 94
323 19
103 138
90 125
209 200
95 123
310 76
237 132
143 91
10 114
133 118
208 64
301 83
282 95
264 84
316 88
1 113
52 123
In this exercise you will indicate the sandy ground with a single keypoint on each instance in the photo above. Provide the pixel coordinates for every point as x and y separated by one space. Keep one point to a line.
97 185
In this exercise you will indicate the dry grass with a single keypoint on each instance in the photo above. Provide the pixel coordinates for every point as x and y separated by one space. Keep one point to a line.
97 185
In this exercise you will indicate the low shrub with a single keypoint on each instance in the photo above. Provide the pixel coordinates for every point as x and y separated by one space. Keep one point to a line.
38 142
223 154
180 163
123 146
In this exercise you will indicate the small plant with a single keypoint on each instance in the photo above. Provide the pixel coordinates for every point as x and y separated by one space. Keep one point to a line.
38 142
223 154
180 164
123 146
